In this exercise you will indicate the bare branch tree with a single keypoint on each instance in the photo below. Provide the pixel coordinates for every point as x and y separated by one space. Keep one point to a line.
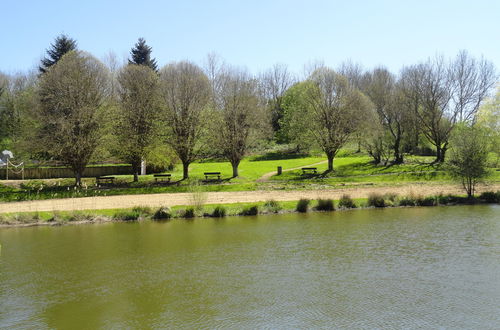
186 93
72 94
273 84
336 111
139 111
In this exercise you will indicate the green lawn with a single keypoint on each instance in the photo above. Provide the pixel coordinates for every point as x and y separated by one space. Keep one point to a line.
349 169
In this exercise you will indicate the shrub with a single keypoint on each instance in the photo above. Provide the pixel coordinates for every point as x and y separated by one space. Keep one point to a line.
346 202
407 201
325 205
163 213
490 197
219 212
143 210
252 210
272 206
426 201
127 215
391 197
188 213
376 200
302 205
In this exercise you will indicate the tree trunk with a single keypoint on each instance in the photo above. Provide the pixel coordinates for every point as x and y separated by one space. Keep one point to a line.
235 165
185 170
78 178
398 155
135 170
330 161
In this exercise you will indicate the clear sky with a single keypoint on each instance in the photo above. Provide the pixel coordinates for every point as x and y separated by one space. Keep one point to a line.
255 33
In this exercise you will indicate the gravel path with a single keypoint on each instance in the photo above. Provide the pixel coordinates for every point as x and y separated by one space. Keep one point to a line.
171 199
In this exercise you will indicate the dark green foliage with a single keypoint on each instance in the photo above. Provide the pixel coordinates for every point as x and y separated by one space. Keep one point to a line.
252 210
163 213
62 45
426 201
219 212
272 206
188 213
448 199
376 200
302 205
127 215
325 205
141 55
346 202
407 201
490 197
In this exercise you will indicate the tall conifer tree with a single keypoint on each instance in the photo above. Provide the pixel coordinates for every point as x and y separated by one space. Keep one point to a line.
61 46
141 55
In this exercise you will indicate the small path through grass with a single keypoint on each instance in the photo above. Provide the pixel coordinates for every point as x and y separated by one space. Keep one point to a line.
173 199
268 175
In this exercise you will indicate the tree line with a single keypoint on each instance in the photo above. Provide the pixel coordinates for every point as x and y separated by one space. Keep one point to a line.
75 107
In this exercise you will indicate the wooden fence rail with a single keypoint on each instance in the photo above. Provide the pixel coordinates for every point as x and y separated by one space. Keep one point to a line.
62 172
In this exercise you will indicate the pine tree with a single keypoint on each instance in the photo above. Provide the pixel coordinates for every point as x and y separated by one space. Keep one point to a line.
61 46
141 55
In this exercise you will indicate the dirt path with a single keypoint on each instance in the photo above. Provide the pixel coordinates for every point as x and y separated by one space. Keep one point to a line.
267 176
171 199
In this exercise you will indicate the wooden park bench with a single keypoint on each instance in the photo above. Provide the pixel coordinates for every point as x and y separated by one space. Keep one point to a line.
209 175
312 170
104 179
162 177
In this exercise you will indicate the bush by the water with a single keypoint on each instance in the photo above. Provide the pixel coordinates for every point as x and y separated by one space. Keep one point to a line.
407 201
272 206
252 210
219 212
325 205
490 196
127 215
163 213
143 210
426 201
346 202
302 205
376 200
188 213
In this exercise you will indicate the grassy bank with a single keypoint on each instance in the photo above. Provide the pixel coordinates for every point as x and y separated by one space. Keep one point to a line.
355 170
240 209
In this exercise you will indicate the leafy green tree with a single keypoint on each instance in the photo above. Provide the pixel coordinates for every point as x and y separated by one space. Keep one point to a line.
489 118
62 45
141 55
139 111
469 156
72 98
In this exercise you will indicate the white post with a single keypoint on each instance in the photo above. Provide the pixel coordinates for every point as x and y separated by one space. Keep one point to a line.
143 167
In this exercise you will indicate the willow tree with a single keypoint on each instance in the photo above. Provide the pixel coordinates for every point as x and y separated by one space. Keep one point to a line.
185 90
336 111
72 96
139 111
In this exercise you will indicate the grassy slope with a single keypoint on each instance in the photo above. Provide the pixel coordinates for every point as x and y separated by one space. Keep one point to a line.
350 169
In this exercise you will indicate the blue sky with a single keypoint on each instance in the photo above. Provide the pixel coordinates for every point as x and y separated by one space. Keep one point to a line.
255 33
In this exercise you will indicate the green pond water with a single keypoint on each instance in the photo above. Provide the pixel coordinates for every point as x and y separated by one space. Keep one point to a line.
407 268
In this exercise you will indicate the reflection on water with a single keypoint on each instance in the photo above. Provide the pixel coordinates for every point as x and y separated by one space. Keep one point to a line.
394 268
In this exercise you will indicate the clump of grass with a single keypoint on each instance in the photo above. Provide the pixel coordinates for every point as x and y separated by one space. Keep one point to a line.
426 201
346 202
272 206
390 197
79 216
127 215
407 201
302 205
188 213
252 210
325 205
143 210
490 197
376 200
219 212
56 217
163 213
